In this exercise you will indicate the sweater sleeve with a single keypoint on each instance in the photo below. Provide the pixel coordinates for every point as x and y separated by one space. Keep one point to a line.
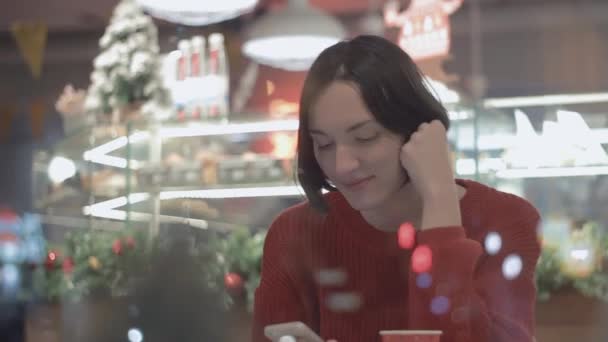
278 298
475 295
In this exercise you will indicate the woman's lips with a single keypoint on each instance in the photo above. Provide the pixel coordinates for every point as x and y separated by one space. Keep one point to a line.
358 184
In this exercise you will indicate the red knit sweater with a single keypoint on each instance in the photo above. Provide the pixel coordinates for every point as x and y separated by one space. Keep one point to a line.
348 280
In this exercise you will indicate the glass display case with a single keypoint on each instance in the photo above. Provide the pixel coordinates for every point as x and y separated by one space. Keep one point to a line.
549 149
204 174
144 173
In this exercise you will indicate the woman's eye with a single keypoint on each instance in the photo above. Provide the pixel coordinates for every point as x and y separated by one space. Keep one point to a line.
367 138
324 146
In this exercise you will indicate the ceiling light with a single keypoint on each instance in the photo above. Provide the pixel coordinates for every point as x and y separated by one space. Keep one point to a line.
197 12
292 39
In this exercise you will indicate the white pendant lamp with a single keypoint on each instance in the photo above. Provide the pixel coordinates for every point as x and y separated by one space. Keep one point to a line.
292 38
197 12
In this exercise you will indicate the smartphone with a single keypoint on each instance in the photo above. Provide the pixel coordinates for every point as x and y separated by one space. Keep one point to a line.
298 330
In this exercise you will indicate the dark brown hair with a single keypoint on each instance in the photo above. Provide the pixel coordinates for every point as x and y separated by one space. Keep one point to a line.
390 84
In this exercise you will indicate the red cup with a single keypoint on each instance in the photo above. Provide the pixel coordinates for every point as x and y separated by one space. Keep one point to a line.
410 335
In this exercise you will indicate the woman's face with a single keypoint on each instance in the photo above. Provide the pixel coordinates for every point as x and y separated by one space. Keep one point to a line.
357 154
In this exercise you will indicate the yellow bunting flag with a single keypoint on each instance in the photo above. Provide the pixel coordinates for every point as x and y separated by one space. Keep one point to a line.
37 118
31 39
7 113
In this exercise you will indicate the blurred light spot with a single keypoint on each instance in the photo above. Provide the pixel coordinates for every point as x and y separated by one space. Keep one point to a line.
287 339
220 258
135 335
9 252
344 302
493 243
424 280
422 259
406 235
511 266
460 315
60 169
331 277
10 276
440 305
579 254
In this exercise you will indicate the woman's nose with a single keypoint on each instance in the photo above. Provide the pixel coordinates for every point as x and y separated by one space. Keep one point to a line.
346 160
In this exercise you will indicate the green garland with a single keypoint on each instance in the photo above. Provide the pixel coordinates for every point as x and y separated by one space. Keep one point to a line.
109 263
102 263
239 254
550 278
91 263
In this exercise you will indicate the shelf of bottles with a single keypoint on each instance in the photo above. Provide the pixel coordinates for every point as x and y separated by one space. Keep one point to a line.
197 74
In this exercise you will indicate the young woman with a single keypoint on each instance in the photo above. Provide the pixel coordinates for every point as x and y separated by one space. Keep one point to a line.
374 136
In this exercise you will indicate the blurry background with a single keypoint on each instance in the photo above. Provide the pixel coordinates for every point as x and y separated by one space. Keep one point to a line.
120 139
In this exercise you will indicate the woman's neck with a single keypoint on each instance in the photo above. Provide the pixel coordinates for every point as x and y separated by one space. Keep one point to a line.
404 205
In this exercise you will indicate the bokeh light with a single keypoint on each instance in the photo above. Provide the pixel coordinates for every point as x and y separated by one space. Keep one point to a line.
344 302
440 305
580 254
424 280
406 235
512 266
422 259
10 274
60 169
9 252
493 243
331 277
135 335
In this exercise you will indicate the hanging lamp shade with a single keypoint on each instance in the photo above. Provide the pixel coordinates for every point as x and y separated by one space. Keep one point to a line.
292 38
197 12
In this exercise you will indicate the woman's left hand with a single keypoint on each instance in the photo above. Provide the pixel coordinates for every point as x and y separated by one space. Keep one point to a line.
426 158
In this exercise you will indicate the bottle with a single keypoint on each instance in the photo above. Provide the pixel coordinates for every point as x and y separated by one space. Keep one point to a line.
183 72
198 56
198 69
183 62
218 67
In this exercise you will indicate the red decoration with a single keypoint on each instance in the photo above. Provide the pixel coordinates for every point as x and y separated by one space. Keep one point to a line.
406 235
68 265
51 260
117 247
422 259
425 26
8 215
262 145
234 283
130 241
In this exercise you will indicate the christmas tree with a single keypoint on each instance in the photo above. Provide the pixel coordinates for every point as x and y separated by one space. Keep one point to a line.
126 72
